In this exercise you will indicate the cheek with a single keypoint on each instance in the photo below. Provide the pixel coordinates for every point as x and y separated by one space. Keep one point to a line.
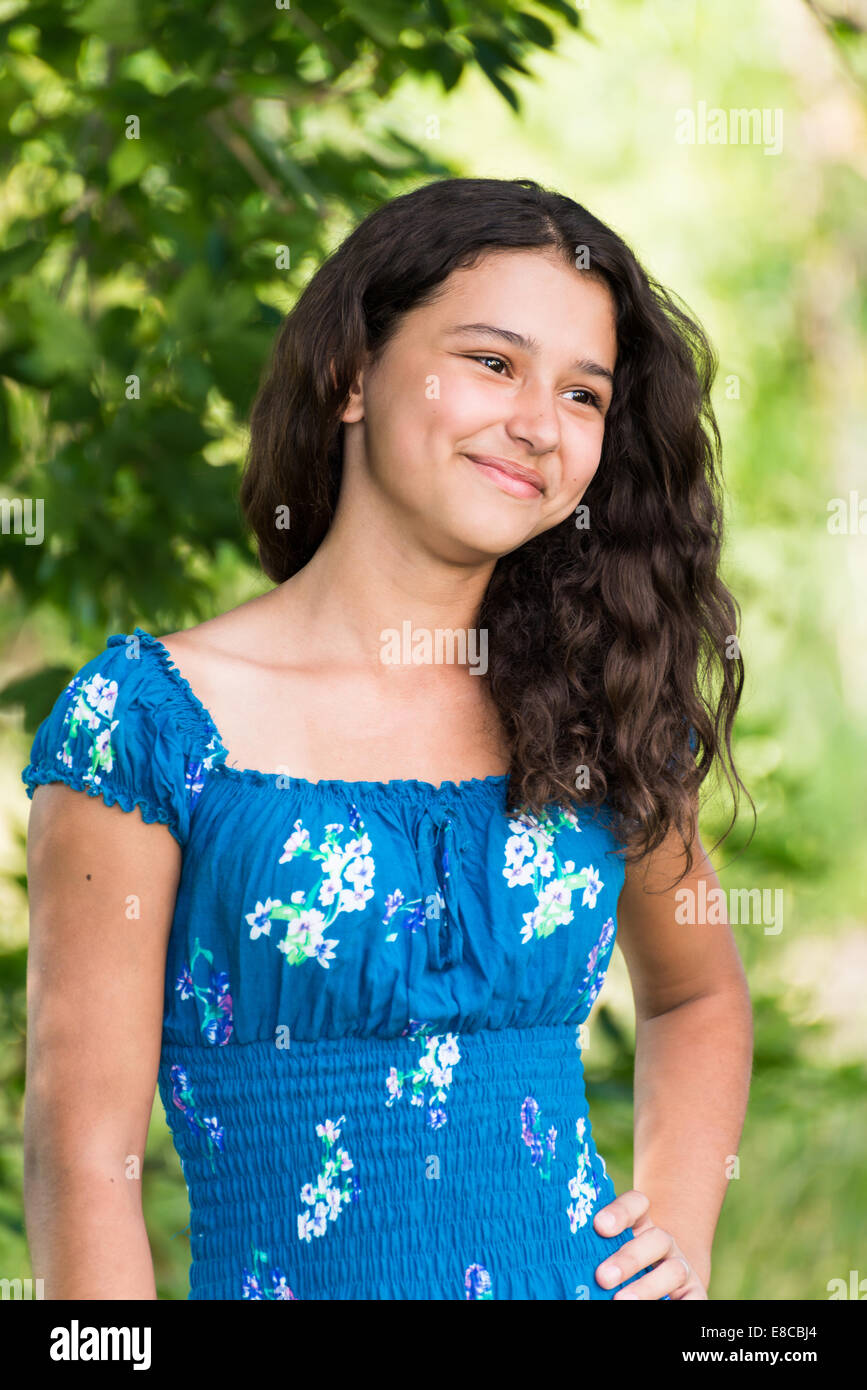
582 460
419 429
458 406
405 444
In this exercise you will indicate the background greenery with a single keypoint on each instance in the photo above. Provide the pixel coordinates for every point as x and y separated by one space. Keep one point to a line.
264 135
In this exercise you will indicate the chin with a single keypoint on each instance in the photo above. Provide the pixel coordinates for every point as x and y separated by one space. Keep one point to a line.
486 532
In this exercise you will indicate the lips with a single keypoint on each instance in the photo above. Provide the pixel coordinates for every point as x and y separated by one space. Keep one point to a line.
510 477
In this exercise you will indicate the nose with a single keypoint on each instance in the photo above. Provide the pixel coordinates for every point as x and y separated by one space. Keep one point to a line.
534 418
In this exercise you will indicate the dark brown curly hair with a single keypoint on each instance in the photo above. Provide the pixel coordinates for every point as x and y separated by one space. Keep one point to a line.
605 643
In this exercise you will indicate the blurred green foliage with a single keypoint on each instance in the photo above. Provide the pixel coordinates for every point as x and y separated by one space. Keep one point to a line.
161 159
141 282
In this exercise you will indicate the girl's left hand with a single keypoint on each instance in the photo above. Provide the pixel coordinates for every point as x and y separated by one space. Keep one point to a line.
672 1273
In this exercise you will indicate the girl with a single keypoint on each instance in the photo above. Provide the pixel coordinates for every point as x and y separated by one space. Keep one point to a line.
393 812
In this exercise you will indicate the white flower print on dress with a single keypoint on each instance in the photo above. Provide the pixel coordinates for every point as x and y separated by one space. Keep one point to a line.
197 769
583 1188
254 1284
531 857
92 710
478 1283
260 920
327 1196
344 885
594 885
433 1073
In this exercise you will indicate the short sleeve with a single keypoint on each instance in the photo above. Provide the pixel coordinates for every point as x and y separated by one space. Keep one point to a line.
111 734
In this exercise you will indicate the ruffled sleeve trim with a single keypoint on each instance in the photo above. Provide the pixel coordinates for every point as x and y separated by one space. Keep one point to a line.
37 775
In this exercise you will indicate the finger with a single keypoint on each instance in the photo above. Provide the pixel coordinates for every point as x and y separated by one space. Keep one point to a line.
620 1214
647 1249
609 1220
666 1277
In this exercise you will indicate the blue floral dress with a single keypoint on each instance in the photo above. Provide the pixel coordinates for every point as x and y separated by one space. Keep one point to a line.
374 999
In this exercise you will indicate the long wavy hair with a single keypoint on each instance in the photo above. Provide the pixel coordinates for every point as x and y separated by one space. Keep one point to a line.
612 652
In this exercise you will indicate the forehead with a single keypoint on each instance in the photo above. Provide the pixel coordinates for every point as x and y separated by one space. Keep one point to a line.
535 293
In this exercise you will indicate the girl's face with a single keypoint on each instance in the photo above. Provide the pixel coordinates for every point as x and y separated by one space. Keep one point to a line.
530 390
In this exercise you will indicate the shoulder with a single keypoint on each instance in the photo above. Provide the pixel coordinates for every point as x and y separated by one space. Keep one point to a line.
201 656
242 636
234 663
125 728
122 680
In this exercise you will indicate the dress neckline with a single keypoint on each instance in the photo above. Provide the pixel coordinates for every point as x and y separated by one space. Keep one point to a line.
220 752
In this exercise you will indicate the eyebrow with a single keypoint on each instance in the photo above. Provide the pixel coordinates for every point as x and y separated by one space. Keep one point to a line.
487 330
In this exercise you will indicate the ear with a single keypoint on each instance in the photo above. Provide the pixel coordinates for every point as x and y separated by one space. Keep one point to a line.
354 410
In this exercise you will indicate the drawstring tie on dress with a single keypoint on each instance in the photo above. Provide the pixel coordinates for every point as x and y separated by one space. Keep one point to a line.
438 844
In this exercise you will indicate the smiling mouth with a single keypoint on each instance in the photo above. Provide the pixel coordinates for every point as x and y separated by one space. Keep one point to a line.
516 485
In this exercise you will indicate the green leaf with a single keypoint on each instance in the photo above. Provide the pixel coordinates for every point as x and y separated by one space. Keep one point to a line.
491 60
536 30
505 90
563 8
383 20
440 13
110 21
73 400
13 969
18 260
128 162
37 693
294 955
572 881
63 343
178 430
438 57
493 55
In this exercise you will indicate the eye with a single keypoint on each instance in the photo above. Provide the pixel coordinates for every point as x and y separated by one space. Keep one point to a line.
501 360
585 390
592 400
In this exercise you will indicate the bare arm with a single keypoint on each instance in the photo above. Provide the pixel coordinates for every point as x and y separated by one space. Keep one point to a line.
694 1043
102 888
